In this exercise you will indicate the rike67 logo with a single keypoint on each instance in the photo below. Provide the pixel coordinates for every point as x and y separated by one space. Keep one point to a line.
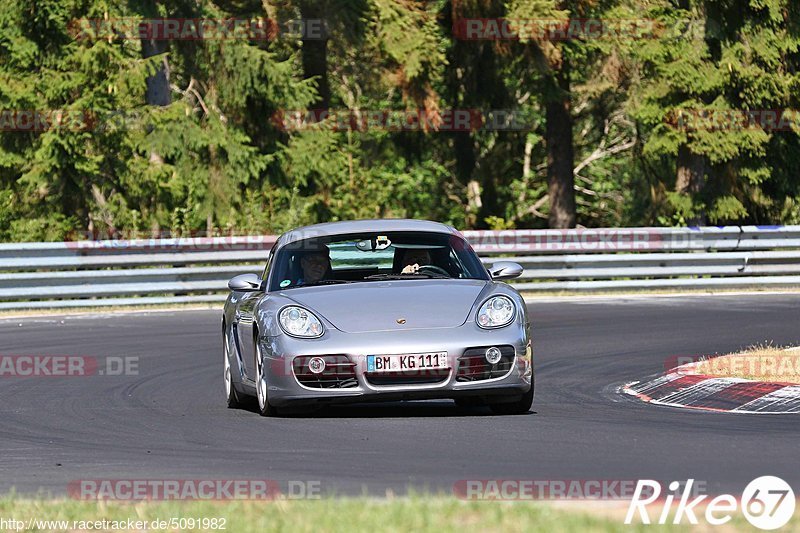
767 503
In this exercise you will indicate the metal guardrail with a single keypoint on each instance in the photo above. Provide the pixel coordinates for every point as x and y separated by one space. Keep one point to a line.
180 270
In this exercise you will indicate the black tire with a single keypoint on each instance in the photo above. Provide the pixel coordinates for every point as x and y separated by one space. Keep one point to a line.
232 401
519 407
265 408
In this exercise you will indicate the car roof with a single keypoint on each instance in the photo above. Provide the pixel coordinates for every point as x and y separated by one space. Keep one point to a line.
378 225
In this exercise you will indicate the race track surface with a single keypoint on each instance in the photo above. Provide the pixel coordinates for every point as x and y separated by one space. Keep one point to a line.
170 421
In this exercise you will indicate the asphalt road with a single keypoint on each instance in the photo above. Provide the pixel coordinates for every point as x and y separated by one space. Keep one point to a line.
169 421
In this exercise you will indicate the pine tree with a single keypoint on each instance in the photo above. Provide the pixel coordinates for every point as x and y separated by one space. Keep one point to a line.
718 62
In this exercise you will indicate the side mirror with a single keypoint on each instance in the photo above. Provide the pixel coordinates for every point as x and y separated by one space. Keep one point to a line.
245 283
505 270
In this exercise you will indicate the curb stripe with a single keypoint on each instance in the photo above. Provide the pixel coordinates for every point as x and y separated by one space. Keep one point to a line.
783 400
730 395
735 395
666 385
694 396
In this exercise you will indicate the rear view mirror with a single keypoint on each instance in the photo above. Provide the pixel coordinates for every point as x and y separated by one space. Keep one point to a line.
505 270
245 283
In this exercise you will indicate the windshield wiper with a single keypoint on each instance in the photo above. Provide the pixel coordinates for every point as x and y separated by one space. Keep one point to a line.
429 275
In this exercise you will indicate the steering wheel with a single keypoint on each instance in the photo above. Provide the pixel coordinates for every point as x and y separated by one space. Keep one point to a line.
434 268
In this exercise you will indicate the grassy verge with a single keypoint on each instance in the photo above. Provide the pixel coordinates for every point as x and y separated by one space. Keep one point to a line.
416 513
759 363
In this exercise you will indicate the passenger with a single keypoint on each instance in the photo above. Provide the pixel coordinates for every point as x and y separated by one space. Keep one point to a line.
315 266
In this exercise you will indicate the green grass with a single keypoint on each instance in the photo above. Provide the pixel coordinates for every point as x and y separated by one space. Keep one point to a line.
415 513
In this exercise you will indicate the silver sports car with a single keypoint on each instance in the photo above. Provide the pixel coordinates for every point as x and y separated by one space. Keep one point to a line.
375 310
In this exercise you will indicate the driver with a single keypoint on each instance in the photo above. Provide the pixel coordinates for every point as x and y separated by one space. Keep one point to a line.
315 266
413 259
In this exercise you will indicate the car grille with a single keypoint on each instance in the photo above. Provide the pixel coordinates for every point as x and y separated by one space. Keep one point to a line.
413 377
473 366
339 373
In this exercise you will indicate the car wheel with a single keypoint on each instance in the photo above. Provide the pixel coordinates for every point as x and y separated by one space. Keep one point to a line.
232 401
519 407
264 407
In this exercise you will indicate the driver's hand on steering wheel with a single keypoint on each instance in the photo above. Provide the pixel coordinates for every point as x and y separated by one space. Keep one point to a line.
410 269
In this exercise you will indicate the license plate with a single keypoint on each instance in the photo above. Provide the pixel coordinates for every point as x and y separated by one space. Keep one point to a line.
400 363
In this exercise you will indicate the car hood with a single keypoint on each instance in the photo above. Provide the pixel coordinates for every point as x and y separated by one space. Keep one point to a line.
379 305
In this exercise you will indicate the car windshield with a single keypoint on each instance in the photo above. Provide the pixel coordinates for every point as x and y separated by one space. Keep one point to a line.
361 258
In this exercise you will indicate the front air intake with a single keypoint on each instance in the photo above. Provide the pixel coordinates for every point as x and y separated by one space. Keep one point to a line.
339 372
473 365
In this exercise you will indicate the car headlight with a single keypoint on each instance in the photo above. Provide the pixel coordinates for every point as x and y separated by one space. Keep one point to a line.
496 312
299 322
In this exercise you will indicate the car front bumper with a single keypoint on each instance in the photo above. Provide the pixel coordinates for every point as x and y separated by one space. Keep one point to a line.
284 387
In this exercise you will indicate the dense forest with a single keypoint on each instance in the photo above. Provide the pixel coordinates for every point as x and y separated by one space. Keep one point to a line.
254 116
